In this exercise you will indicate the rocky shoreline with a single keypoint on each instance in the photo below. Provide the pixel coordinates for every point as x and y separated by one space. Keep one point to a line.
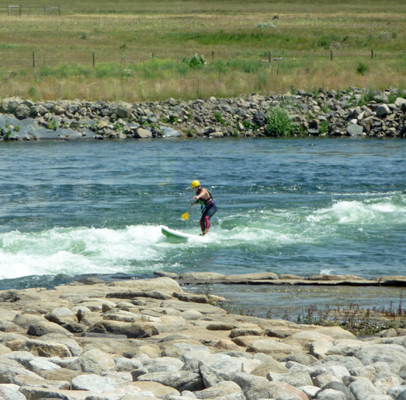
354 112
149 339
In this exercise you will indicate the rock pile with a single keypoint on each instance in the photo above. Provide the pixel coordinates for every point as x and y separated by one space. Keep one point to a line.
148 339
355 112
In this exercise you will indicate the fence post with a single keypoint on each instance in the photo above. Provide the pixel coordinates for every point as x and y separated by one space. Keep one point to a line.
94 60
270 56
33 59
212 54
331 55
372 54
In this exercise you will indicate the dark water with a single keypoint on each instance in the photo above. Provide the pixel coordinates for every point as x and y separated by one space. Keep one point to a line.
302 206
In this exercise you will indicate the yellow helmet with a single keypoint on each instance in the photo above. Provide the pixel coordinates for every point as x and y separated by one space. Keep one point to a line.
195 184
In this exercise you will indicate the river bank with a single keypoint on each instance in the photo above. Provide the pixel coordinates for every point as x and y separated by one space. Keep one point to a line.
355 112
138 339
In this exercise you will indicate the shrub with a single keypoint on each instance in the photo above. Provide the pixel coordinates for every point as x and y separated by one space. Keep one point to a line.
362 68
324 127
32 92
279 123
219 66
196 62
219 117
326 40
367 97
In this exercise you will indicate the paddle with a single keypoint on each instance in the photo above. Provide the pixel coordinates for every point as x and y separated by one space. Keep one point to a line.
185 216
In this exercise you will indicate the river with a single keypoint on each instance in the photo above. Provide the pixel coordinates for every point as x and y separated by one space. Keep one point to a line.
300 206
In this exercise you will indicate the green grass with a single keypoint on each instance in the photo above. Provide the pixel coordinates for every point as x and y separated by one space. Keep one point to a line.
139 48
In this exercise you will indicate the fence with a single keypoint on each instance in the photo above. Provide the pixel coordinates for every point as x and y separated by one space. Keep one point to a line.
14 57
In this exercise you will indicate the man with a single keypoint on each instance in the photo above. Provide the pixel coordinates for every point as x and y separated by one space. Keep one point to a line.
205 199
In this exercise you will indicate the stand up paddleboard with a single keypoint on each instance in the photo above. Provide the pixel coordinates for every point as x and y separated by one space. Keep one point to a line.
176 234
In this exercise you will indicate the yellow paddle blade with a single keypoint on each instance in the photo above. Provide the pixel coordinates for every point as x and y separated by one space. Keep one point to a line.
185 216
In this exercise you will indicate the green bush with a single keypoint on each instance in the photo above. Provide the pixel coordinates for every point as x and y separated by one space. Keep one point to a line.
218 66
362 68
66 70
279 123
196 62
32 92
367 97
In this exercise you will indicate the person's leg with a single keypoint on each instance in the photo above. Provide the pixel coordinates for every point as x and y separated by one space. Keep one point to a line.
206 217
202 224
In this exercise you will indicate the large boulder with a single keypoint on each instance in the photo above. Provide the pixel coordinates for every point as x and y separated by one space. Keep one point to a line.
93 383
11 392
220 390
93 361
271 347
181 380
61 315
166 284
10 370
293 378
255 387
142 133
393 354
44 349
362 389
355 130
130 330
22 111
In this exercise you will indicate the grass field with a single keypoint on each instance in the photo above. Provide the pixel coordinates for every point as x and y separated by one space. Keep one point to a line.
134 50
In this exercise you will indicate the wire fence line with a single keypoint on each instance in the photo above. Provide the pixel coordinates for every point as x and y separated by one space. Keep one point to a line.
31 57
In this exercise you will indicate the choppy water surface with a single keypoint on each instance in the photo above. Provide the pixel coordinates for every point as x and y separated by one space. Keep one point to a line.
302 206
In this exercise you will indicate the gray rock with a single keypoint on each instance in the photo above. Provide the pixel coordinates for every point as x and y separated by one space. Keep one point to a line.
269 366
229 390
293 378
70 343
22 111
382 111
396 391
352 364
362 389
330 394
93 361
163 364
182 380
394 355
126 364
169 132
44 327
340 387
11 392
44 349
61 315
355 130
131 330
10 370
253 387
93 383
142 133
39 365
310 391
